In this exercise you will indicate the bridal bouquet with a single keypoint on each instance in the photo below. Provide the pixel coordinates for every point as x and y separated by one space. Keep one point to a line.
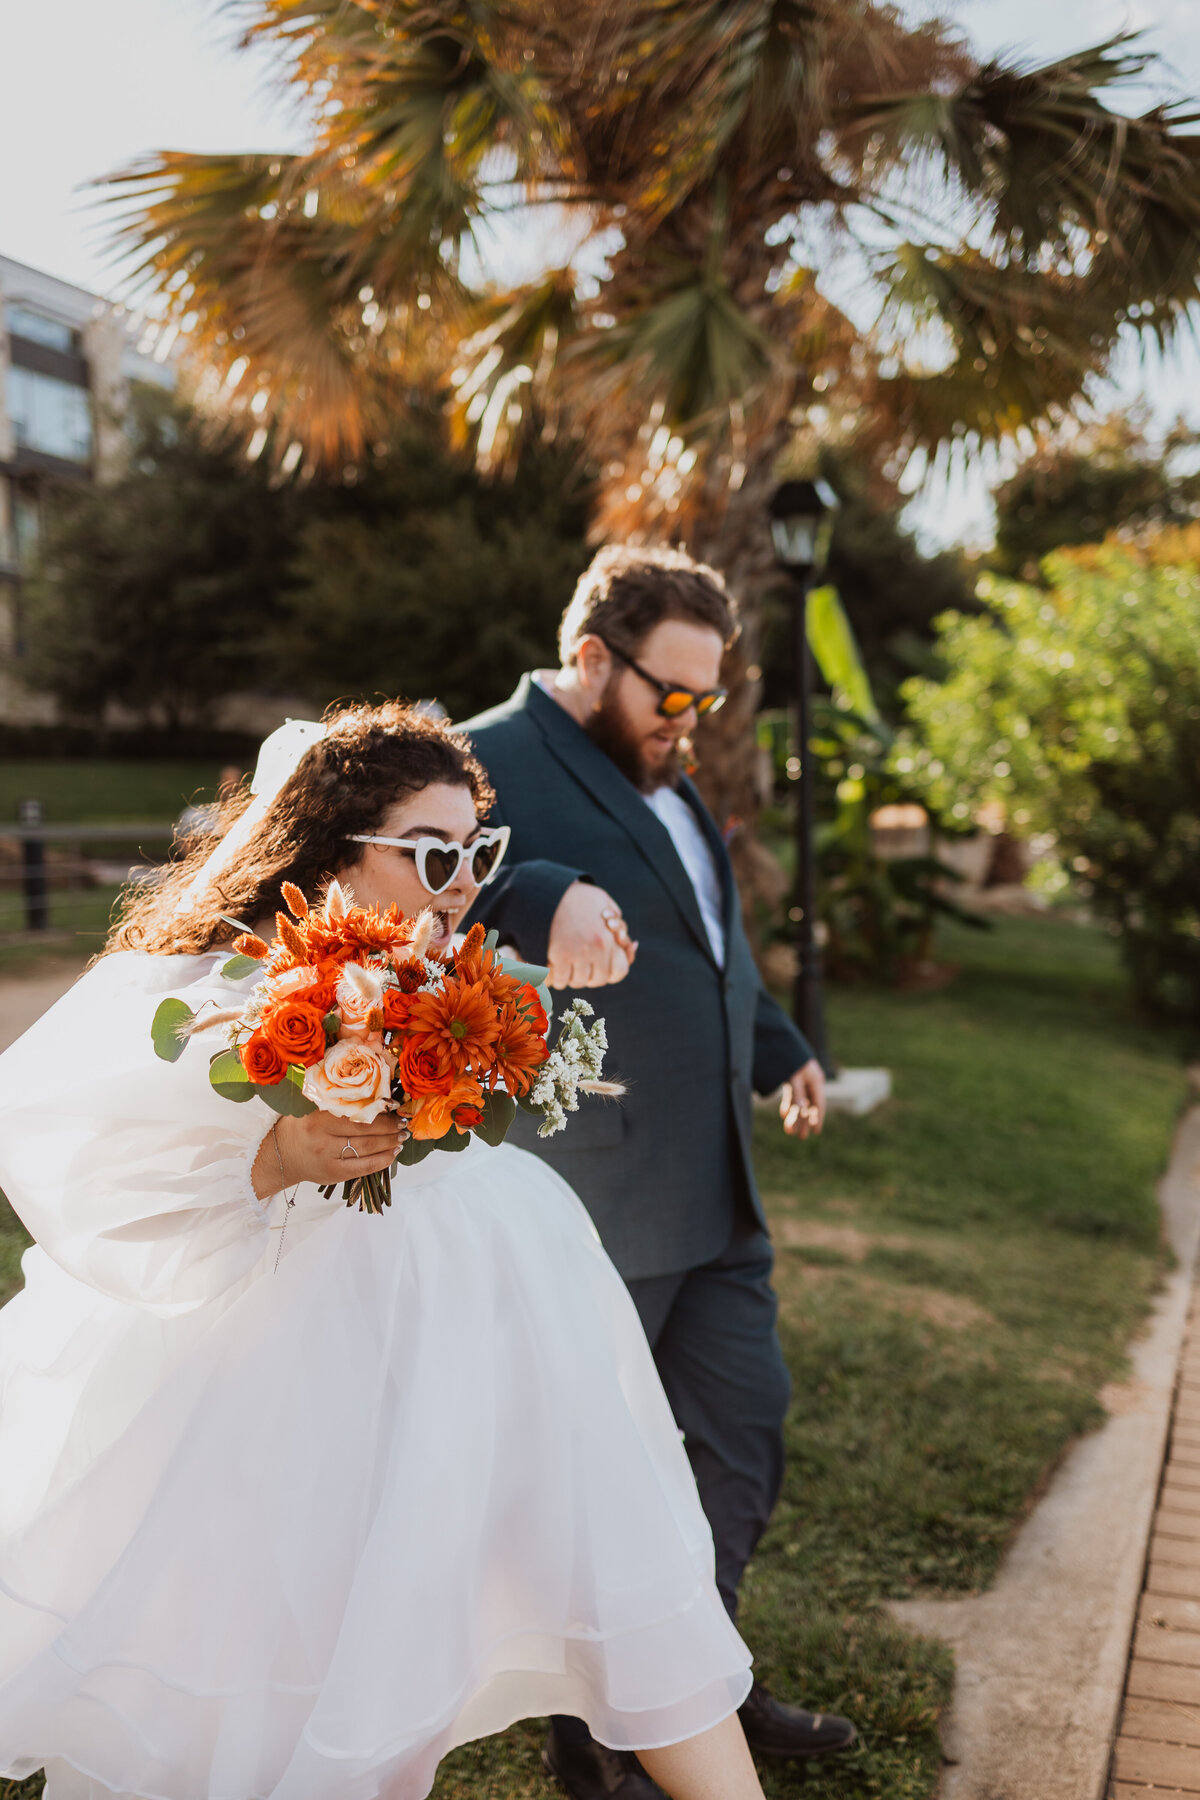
352 1015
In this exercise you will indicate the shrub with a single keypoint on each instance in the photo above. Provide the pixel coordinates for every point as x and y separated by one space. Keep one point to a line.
1077 706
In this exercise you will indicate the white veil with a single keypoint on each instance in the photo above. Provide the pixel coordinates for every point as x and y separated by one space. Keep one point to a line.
279 756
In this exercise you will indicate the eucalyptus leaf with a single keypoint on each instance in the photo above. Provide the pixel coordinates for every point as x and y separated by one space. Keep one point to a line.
535 974
415 1151
454 1139
227 1076
237 924
164 1031
499 1111
491 940
285 1099
238 967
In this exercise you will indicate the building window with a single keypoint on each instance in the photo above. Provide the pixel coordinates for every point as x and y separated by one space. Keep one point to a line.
40 328
27 530
50 415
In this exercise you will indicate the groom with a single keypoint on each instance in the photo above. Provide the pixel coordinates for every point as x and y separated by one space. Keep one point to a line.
617 874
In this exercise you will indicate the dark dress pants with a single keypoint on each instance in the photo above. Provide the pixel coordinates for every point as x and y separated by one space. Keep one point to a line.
712 1331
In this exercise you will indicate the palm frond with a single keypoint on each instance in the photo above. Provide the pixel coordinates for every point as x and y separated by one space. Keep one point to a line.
265 289
508 371
1057 173
1018 345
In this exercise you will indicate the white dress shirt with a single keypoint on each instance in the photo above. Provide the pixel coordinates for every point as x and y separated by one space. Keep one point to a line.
696 857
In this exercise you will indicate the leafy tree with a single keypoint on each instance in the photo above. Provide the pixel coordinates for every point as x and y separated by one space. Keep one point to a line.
1077 491
1077 706
423 580
689 168
155 590
197 575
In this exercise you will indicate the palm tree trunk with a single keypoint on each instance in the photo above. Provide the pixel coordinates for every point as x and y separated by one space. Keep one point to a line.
736 540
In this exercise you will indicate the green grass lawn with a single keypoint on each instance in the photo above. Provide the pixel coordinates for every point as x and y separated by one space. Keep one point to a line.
79 791
958 1276
105 792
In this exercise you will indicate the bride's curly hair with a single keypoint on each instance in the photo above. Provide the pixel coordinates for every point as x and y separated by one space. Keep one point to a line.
372 757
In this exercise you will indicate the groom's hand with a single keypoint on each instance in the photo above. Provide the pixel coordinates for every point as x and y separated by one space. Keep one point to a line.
802 1105
590 944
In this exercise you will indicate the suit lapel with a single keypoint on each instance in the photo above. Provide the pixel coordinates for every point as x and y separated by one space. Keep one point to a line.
720 852
620 799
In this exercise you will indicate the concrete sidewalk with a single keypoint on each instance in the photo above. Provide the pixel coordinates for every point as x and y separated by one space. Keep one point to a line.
1042 1656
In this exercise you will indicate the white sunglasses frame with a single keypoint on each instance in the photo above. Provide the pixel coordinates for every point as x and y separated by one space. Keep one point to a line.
422 845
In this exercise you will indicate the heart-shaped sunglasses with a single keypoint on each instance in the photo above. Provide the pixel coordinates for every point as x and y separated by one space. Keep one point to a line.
439 862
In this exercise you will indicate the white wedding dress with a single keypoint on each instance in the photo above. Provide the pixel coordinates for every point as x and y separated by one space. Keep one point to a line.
296 1532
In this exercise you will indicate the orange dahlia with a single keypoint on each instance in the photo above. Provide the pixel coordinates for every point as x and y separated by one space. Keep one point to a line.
520 1050
475 964
458 1020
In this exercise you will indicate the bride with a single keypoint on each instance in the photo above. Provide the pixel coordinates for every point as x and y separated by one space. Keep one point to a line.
292 1513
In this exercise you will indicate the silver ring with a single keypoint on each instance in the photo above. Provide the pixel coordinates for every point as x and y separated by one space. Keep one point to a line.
350 1148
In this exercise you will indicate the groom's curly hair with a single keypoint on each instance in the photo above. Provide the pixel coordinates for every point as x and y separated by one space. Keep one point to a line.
371 757
626 591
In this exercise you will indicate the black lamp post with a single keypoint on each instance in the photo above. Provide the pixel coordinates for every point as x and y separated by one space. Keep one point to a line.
802 514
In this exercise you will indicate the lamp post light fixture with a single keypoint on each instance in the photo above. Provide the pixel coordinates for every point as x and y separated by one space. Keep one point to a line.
802 515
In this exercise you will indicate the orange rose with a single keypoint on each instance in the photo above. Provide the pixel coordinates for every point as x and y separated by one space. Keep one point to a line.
261 1061
323 996
437 1114
295 1029
420 1070
531 1006
396 1007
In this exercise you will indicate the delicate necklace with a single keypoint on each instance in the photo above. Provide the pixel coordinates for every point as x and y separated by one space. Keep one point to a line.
289 1198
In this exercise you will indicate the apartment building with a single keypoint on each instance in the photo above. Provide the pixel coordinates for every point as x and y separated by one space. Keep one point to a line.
67 361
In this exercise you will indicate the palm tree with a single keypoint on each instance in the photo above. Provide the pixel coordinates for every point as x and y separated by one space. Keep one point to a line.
751 221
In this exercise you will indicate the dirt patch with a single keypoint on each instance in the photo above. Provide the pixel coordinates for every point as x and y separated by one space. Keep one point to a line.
951 1311
847 1240
1119 1398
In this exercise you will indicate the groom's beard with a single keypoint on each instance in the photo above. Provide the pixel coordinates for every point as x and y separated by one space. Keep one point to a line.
610 731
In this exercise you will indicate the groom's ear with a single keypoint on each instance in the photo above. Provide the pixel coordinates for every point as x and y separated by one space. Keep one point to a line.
593 665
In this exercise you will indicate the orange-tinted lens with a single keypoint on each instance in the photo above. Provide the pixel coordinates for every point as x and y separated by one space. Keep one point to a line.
709 703
676 702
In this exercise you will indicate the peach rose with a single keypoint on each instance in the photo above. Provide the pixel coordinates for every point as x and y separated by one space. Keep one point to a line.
353 1080
360 1004
292 981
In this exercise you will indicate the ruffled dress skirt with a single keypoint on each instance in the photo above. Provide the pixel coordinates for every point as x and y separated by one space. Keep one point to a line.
417 1482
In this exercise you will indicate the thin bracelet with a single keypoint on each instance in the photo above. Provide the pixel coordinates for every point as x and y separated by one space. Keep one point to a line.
289 1198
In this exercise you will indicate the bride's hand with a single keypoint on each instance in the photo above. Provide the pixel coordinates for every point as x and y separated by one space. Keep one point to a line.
325 1150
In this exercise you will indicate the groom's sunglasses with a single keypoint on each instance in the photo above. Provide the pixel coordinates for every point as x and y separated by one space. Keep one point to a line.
674 700
438 862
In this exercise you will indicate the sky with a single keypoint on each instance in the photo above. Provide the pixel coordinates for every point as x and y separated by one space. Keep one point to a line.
88 86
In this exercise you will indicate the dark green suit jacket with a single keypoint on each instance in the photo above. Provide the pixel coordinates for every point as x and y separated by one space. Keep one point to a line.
664 1171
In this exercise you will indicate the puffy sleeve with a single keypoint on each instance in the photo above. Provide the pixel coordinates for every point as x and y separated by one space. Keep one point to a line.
130 1172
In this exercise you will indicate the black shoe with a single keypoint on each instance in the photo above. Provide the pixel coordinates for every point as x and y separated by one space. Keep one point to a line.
782 1733
591 1771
